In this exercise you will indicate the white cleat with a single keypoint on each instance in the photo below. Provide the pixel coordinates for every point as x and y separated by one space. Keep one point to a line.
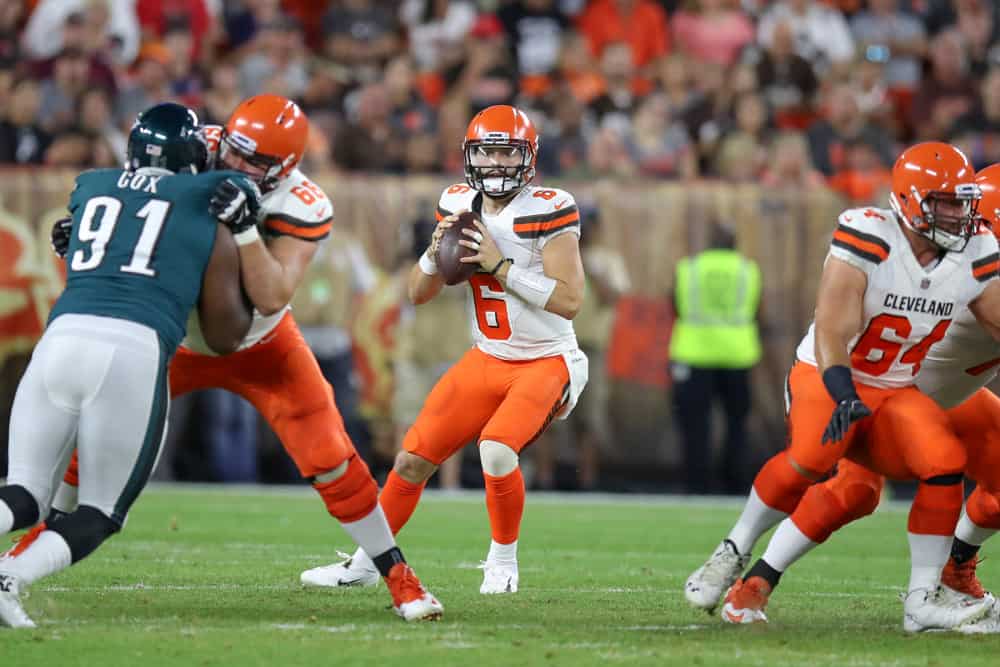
354 570
12 614
924 609
706 585
498 578
987 625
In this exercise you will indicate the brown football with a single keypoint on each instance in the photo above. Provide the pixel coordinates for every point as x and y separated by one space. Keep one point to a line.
449 251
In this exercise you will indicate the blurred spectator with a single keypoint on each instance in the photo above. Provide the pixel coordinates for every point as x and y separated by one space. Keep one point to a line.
366 143
223 94
339 275
821 34
70 148
61 91
872 94
230 427
790 166
488 76
947 92
842 123
22 140
673 78
408 114
659 142
712 30
865 177
608 155
710 113
577 68
588 424
714 345
185 82
425 349
150 85
614 108
6 82
787 80
155 15
109 28
11 16
739 159
97 119
277 64
361 35
436 31
242 20
889 35
534 31
566 135
978 131
978 24
642 24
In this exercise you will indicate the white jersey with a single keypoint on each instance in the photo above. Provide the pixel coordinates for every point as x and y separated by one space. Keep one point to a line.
963 363
907 309
504 325
296 207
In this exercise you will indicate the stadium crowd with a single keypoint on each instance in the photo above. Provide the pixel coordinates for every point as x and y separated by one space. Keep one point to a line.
810 94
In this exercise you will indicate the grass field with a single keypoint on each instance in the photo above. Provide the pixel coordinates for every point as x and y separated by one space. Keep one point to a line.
209 576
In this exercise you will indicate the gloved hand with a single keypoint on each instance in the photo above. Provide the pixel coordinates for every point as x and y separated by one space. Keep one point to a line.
62 229
846 413
235 206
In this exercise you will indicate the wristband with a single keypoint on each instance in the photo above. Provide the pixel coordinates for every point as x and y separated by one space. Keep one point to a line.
427 265
247 236
535 288
500 264
839 383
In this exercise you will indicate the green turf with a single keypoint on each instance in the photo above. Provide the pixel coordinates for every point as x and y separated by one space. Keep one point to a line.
209 577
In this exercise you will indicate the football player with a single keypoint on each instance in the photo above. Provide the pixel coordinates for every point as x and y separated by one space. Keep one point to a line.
525 368
892 285
954 374
143 251
274 369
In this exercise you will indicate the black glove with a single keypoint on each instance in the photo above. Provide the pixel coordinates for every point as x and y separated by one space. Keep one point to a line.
846 413
235 206
62 229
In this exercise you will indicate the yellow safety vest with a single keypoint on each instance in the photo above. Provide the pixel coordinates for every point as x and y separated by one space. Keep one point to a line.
717 295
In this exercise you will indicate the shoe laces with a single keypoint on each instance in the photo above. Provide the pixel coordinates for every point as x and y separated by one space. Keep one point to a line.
404 584
751 593
719 568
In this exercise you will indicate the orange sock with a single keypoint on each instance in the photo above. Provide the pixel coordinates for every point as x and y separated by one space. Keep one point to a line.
983 508
72 476
505 504
399 499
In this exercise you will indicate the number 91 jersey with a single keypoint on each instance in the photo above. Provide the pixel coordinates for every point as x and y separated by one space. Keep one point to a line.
907 309
504 325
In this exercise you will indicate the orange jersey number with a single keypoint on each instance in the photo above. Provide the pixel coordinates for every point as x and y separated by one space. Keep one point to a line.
491 309
872 340
308 192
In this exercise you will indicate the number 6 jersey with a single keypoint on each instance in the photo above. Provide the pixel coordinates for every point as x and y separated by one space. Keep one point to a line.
907 309
504 325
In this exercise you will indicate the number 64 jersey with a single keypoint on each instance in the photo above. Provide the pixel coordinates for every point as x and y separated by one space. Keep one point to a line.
907 308
503 325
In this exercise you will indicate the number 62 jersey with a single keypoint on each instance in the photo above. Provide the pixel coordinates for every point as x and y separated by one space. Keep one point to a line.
907 308
503 325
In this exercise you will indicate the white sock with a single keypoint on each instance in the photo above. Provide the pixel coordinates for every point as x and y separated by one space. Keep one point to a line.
6 519
928 555
47 555
65 499
787 545
372 533
757 519
502 553
970 533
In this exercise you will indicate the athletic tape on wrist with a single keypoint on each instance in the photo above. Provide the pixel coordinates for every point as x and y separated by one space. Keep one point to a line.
427 265
532 287
247 236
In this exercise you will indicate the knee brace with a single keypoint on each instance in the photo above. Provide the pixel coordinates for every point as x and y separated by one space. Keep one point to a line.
498 459
22 504
350 495
84 530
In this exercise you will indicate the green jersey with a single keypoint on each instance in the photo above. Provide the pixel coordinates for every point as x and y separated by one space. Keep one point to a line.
140 243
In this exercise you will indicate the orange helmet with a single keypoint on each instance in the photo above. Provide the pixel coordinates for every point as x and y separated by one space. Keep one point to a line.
988 181
269 132
500 147
926 175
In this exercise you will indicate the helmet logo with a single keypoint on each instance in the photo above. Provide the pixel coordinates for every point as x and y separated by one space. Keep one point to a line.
154 150
243 142
496 136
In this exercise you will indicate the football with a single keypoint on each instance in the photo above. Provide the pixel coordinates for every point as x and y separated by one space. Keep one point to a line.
449 252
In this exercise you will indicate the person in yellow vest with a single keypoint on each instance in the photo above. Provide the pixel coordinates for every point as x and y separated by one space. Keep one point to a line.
715 343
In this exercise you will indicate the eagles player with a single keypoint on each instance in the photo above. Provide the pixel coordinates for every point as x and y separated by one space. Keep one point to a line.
143 252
